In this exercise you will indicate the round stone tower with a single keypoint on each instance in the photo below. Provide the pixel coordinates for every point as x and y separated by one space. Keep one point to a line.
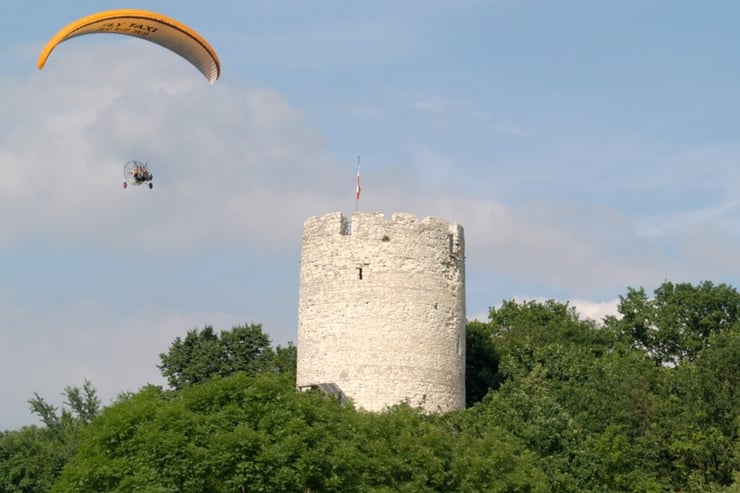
382 310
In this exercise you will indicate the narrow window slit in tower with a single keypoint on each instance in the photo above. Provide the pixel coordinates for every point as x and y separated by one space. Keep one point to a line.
359 273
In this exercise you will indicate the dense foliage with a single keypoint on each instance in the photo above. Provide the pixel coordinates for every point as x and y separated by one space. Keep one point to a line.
32 458
204 354
245 433
646 401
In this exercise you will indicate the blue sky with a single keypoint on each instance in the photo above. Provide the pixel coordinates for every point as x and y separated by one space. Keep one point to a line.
584 146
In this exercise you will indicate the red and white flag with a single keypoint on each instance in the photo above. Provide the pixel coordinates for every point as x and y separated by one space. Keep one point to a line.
358 189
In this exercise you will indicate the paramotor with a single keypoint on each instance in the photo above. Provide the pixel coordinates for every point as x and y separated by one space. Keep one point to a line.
137 173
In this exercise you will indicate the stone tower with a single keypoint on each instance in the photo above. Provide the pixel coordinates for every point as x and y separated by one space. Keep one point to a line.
382 309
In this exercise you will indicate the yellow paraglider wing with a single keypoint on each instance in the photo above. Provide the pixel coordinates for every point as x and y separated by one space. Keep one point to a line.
150 26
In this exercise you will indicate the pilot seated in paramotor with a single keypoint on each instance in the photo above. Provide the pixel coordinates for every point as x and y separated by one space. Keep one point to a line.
137 173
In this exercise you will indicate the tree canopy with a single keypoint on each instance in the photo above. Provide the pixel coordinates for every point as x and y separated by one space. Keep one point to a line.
677 322
644 401
32 458
204 354
242 433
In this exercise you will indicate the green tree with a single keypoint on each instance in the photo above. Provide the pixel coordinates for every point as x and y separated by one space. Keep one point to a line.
568 392
676 323
522 332
285 359
236 433
241 433
204 354
481 363
563 404
703 433
32 458
600 414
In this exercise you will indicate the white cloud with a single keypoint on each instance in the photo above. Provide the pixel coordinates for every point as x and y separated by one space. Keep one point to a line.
724 212
514 130
479 316
596 310
583 249
225 159
442 109
573 249
365 110
434 106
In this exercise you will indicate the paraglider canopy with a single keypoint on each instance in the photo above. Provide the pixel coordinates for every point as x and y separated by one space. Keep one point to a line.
157 28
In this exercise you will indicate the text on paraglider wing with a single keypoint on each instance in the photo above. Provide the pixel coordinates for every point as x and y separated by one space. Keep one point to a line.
129 28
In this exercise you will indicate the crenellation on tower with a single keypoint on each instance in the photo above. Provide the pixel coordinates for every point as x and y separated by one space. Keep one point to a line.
329 224
382 309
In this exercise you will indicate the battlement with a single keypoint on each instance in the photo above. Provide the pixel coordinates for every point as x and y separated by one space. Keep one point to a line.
375 226
334 223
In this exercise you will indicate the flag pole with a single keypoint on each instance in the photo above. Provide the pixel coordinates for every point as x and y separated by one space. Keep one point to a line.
357 188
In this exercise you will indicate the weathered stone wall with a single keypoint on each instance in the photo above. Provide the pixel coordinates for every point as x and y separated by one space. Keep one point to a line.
382 309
